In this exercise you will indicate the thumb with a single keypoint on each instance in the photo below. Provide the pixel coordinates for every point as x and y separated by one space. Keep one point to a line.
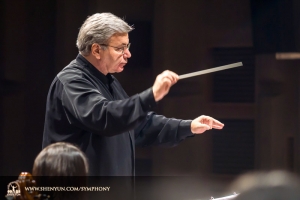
198 128
205 126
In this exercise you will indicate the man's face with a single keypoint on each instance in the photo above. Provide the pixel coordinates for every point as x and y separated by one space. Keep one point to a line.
114 58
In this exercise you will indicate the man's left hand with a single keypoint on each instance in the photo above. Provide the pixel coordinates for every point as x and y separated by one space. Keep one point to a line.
203 123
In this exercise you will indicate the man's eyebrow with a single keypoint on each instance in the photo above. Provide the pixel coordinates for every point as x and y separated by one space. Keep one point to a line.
122 45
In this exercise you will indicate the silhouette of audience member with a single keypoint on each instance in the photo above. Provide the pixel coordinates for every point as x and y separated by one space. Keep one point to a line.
273 185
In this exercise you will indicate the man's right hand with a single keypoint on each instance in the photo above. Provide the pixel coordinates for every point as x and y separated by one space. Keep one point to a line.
163 83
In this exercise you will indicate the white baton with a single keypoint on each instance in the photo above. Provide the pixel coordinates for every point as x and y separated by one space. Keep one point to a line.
206 71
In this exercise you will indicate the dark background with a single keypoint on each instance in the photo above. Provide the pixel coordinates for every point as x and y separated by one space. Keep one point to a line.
259 102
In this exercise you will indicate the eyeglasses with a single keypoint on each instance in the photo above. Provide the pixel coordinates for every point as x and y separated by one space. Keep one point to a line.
119 49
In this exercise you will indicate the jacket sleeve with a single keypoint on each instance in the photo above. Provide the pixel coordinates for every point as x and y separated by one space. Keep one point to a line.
88 109
159 130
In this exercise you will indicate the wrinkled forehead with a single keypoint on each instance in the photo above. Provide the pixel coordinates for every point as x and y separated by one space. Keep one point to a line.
119 38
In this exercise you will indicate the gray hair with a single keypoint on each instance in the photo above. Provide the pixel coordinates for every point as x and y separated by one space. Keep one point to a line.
98 28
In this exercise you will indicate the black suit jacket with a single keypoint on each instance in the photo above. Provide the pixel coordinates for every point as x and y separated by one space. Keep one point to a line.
91 110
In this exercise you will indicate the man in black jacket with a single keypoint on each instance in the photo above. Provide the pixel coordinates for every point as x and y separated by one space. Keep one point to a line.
87 106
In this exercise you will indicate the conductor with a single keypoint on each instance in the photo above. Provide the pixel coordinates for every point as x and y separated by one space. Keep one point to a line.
87 106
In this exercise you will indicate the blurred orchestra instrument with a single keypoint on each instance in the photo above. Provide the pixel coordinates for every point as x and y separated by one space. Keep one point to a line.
18 190
226 197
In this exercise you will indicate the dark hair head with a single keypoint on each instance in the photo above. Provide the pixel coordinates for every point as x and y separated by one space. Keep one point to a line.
60 159
61 164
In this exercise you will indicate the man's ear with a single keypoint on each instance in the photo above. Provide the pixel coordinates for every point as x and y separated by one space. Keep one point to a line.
95 50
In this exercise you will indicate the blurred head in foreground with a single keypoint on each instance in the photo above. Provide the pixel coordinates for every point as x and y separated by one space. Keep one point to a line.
60 159
61 165
274 185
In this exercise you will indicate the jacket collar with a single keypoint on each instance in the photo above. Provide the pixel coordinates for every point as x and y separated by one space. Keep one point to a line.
108 79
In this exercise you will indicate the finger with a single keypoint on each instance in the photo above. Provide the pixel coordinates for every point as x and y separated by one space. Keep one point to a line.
174 76
170 80
167 83
211 121
167 79
207 127
201 128
207 120
216 122
217 127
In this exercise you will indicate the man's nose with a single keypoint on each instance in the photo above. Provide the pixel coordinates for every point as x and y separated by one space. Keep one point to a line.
127 53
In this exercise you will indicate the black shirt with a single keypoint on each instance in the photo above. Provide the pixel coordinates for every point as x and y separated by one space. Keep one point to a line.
92 111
